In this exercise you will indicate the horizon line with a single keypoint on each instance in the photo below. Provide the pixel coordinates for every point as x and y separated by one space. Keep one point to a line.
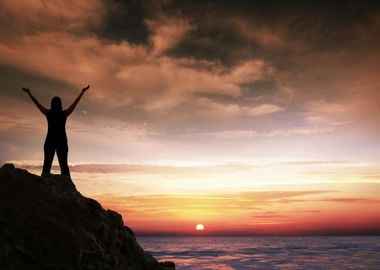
332 234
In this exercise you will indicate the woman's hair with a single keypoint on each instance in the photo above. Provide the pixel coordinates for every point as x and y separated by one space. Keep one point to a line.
56 104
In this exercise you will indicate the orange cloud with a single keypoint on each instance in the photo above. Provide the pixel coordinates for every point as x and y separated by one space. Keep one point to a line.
254 212
52 15
167 32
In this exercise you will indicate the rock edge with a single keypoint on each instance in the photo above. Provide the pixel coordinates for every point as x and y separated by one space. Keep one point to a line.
45 223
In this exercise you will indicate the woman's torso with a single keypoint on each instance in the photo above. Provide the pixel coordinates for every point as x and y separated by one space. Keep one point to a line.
56 127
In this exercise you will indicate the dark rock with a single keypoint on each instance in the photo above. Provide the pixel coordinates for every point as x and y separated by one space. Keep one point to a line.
45 223
8 167
167 265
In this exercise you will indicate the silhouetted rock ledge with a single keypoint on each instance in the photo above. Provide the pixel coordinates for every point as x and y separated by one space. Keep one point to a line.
45 223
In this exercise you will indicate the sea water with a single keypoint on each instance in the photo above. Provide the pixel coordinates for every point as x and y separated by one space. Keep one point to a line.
222 253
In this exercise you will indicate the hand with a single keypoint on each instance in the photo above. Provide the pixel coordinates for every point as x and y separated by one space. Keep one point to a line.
85 89
26 89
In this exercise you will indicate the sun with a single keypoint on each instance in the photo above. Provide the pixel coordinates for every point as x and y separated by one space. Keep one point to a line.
200 227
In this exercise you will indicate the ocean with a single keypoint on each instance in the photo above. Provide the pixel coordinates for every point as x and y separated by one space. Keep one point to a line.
225 253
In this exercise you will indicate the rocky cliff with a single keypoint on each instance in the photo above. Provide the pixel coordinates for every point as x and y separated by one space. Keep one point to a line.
45 223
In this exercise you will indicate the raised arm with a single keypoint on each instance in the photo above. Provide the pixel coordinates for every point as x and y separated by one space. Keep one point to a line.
35 101
70 109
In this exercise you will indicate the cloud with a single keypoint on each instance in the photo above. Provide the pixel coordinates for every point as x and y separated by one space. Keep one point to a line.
126 74
175 206
249 134
263 35
236 110
264 109
233 134
321 107
246 210
166 32
11 121
194 170
49 16
146 169
352 200
250 71
282 215
305 131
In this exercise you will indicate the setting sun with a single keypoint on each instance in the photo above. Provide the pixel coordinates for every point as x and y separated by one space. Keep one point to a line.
199 227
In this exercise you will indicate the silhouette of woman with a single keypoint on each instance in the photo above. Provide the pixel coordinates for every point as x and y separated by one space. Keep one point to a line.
56 140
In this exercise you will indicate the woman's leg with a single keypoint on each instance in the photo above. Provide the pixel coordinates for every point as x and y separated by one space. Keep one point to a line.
62 151
48 158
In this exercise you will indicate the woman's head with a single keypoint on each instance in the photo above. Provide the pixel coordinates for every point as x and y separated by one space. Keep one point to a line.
56 104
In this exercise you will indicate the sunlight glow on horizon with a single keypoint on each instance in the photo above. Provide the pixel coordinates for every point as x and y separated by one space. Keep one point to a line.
199 227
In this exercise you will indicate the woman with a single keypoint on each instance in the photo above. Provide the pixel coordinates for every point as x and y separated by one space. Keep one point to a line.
56 140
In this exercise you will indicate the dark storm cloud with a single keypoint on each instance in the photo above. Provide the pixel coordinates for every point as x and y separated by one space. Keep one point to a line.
231 31
178 62
226 31
217 42
126 22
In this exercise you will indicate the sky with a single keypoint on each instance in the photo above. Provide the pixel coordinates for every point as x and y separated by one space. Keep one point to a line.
250 117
